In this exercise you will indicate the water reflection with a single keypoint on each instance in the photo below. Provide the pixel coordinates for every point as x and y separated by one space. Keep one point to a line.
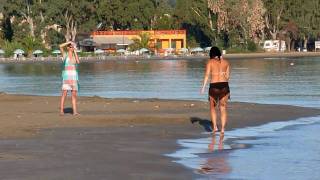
32 69
216 163
98 67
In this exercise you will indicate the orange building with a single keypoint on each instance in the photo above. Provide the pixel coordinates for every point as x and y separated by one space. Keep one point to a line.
160 40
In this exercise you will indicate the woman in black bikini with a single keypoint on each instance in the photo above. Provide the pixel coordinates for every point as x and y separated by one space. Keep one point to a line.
218 70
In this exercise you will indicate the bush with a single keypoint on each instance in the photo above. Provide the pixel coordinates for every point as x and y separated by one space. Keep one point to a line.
9 47
236 50
252 47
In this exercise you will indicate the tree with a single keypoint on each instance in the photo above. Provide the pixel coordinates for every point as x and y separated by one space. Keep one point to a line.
111 13
163 16
291 33
140 13
306 16
25 11
192 15
143 41
70 15
30 44
126 14
242 16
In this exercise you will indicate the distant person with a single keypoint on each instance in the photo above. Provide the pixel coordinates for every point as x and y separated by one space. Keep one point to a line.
218 70
69 75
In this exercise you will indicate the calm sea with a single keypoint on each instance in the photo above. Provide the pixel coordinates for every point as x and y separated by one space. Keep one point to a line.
282 150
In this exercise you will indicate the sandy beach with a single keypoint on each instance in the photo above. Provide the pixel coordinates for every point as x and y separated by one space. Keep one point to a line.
112 138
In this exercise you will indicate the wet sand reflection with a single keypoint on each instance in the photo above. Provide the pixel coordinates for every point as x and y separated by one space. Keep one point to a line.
216 162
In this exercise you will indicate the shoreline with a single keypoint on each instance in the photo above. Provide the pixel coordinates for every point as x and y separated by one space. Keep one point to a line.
173 57
109 133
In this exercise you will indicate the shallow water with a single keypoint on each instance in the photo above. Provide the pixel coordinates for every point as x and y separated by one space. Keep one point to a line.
292 81
279 150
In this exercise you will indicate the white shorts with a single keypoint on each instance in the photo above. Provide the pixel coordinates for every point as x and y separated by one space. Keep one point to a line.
68 87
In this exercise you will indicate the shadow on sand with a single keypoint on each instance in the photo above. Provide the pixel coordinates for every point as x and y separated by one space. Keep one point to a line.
206 124
68 110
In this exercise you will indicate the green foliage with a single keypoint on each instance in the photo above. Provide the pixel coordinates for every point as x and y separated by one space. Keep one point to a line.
192 15
252 46
141 42
192 43
163 16
55 38
30 44
10 47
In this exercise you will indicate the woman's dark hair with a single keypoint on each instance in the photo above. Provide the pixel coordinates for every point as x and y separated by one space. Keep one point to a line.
215 52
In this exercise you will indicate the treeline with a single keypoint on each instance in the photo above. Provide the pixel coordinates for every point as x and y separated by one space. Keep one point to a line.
232 24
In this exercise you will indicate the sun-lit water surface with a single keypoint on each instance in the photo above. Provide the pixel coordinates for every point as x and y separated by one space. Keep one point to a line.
282 81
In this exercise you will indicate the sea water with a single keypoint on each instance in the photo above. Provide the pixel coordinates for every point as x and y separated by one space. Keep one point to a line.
275 81
277 150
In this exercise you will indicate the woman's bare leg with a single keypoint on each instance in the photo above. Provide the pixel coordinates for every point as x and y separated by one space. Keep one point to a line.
63 97
223 112
74 102
213 115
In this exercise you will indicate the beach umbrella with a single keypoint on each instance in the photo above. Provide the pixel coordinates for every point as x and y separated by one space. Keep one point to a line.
207 48
142 50
183 50
56 51
99 51
18 51
121 51
2 51
37 52
197 49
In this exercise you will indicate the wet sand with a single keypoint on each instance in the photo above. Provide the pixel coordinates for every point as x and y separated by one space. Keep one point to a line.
112 138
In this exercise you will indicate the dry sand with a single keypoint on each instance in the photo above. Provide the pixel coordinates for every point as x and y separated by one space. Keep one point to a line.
112 138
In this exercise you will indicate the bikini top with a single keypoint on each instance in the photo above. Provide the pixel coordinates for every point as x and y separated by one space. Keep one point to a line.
221 73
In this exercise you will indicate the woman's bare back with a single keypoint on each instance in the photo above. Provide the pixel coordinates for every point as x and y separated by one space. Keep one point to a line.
219 70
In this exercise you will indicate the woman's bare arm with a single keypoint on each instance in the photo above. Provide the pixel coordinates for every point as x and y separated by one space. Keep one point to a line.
61 46
206 76
228 71
76 56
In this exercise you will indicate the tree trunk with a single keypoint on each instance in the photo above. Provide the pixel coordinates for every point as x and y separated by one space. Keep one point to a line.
43 35
31 25
274 35
305 42
288 43
73 31
67 34
68 20
210 21
292 45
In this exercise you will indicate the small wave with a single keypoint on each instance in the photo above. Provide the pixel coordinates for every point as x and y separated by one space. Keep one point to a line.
189 155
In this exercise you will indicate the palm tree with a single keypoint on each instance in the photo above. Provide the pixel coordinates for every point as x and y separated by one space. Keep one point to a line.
141 42
30 44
